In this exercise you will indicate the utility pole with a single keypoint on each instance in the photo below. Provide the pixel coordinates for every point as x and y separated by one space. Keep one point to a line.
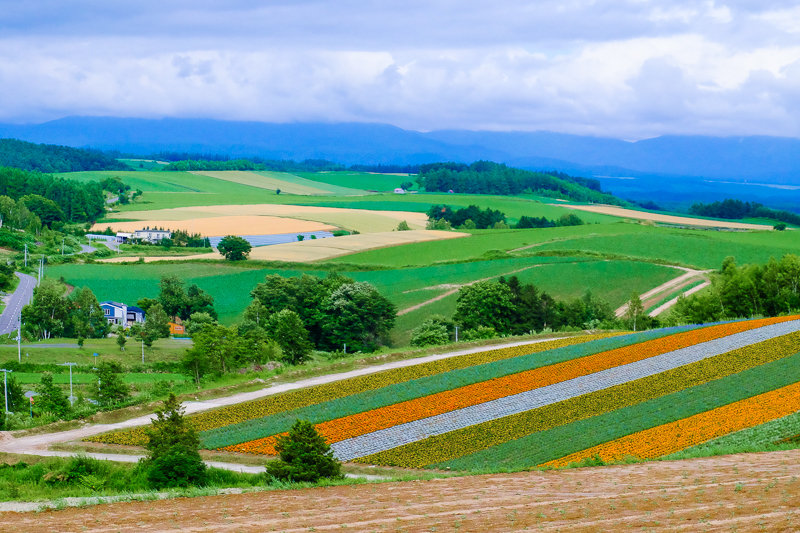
142 351
26 254
70 365
19 340
456 333
62 245
5 386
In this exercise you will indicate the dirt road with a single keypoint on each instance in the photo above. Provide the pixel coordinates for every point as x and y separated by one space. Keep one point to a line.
750 492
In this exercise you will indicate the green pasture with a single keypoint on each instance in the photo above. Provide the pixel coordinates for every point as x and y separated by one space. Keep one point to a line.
56 351
562 277
366 181
143 164
698 248
309 180
30 378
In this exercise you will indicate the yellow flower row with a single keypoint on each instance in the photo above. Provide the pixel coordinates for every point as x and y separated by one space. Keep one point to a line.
400 413
295 399
675 436
472 439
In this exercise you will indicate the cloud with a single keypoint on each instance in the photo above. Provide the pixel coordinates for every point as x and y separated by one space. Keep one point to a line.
631 68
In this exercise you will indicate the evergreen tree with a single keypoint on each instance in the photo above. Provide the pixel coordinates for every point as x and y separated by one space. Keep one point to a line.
304 455
173 459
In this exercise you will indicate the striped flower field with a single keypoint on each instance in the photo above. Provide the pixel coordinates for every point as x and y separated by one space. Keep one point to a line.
560 402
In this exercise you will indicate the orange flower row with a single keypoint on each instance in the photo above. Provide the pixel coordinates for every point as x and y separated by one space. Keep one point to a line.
400 413
675 436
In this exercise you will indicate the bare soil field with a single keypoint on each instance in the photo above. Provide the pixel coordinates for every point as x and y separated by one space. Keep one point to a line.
362 220
667 219
226 225
748 492
315 250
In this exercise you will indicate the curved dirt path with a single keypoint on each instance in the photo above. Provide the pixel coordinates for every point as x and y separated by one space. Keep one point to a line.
654 295
746 492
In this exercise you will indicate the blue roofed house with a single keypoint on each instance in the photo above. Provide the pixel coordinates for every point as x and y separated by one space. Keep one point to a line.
119 313
115 312
134 314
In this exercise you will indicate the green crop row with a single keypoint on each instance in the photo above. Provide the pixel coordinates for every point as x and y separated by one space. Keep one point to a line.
322 393
480 370
496 439
563 440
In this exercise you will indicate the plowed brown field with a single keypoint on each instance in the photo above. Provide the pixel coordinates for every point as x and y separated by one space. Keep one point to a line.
748 492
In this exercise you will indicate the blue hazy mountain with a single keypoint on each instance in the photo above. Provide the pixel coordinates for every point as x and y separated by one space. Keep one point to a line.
670 168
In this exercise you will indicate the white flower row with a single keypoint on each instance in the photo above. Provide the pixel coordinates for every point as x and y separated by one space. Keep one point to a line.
399 435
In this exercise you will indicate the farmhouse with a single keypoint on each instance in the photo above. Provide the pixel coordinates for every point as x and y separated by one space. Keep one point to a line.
119 313
152 235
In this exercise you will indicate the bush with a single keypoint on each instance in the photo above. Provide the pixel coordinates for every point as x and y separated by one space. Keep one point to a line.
304 456
480 332
434 330
179 466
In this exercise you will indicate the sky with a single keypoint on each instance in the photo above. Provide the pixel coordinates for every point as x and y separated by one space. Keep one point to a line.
627 69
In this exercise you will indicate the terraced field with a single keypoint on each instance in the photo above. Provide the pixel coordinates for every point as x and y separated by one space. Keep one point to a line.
646 395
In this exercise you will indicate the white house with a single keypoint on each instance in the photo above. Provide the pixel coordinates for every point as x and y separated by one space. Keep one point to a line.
399 190
152 235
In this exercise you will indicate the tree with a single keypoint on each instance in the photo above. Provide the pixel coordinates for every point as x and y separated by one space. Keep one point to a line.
198 321
403 226
172 297
286 328
358 315
234 248
16 396
635 311
87 318
485 303
304 455
156 326
121 340
47 315
109 387
51 398
173 459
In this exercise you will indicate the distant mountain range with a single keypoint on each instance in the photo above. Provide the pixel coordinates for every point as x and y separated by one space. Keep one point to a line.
670 169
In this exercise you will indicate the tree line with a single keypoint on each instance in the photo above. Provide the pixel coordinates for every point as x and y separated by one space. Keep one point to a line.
736 209
745 291
486 177
53 158
489 309
51 198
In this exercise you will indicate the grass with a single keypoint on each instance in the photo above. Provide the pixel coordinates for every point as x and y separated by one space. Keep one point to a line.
80 476
366 181
696 248
27 378
230 285
56 351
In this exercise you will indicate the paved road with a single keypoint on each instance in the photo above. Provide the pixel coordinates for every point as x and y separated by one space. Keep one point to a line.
9 320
